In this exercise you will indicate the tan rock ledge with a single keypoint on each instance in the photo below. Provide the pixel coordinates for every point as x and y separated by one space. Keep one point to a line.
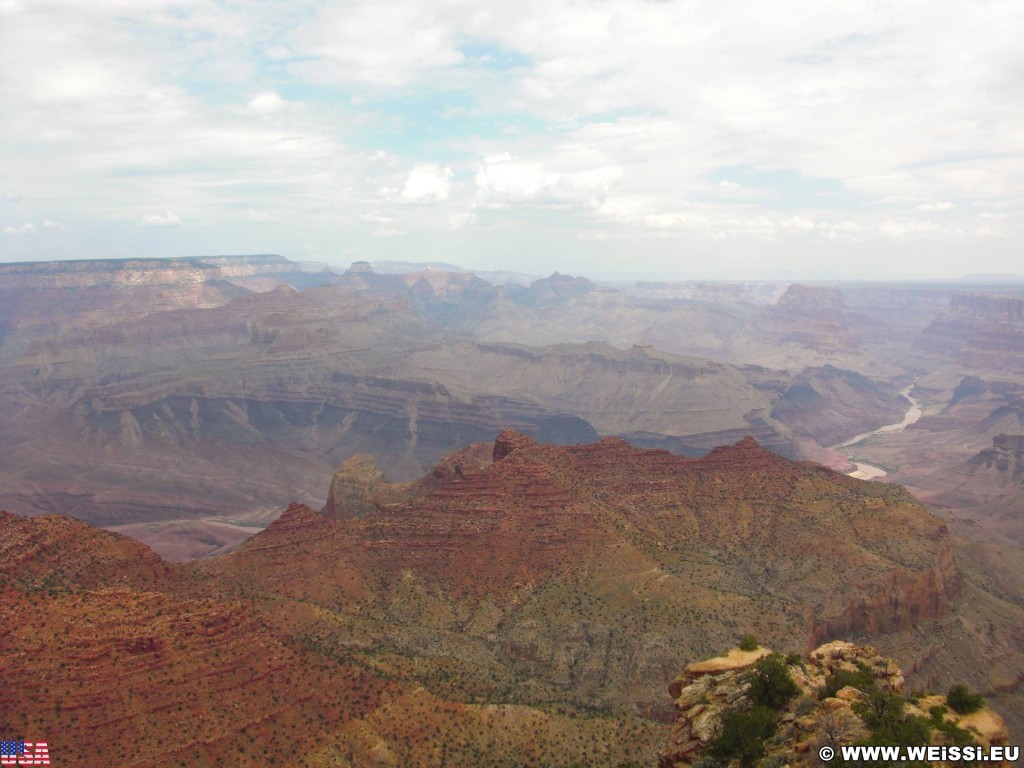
734 659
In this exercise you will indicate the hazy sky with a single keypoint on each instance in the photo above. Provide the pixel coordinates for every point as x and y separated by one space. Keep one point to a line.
730 138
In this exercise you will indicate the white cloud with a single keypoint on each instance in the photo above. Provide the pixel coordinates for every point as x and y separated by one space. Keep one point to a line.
899 229
28 228
25 229
429 183
266 103
169 219
783 123
799 223
381 44
503 180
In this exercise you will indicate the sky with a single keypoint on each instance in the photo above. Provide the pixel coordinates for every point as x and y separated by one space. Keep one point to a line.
737 139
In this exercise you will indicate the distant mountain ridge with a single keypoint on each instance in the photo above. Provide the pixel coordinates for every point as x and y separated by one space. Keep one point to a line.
176 398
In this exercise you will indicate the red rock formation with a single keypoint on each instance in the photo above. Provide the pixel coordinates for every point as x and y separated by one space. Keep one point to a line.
897 603
58 552
979 331
574 574
858 557
508 441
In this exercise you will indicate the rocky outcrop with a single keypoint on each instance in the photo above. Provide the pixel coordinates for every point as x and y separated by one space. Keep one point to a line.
808 720
702 696
359 488
509 441
709 691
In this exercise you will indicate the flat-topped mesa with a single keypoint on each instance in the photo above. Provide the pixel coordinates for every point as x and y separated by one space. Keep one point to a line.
557 288
981 331
813 297
107 273
510 440
135 272
811 316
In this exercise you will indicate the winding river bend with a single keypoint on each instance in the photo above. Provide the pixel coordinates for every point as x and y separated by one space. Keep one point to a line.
867 471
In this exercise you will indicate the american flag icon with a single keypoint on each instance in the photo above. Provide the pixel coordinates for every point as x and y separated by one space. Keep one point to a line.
10 751
20 752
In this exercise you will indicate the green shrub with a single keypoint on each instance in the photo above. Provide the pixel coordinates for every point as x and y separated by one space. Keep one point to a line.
862 680
805 707
962 701
903 732
881 711
743 735
749 643
771 685
883 714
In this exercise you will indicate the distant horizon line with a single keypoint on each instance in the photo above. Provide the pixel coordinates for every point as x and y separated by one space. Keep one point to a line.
602 276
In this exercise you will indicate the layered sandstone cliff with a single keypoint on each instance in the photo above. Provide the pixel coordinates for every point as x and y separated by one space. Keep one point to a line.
980 332
586 568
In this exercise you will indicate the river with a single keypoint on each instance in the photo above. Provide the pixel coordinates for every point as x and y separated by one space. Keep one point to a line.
867 471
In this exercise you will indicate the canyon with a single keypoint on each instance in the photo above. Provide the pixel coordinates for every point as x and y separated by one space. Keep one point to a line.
423 518
522 603
186 403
